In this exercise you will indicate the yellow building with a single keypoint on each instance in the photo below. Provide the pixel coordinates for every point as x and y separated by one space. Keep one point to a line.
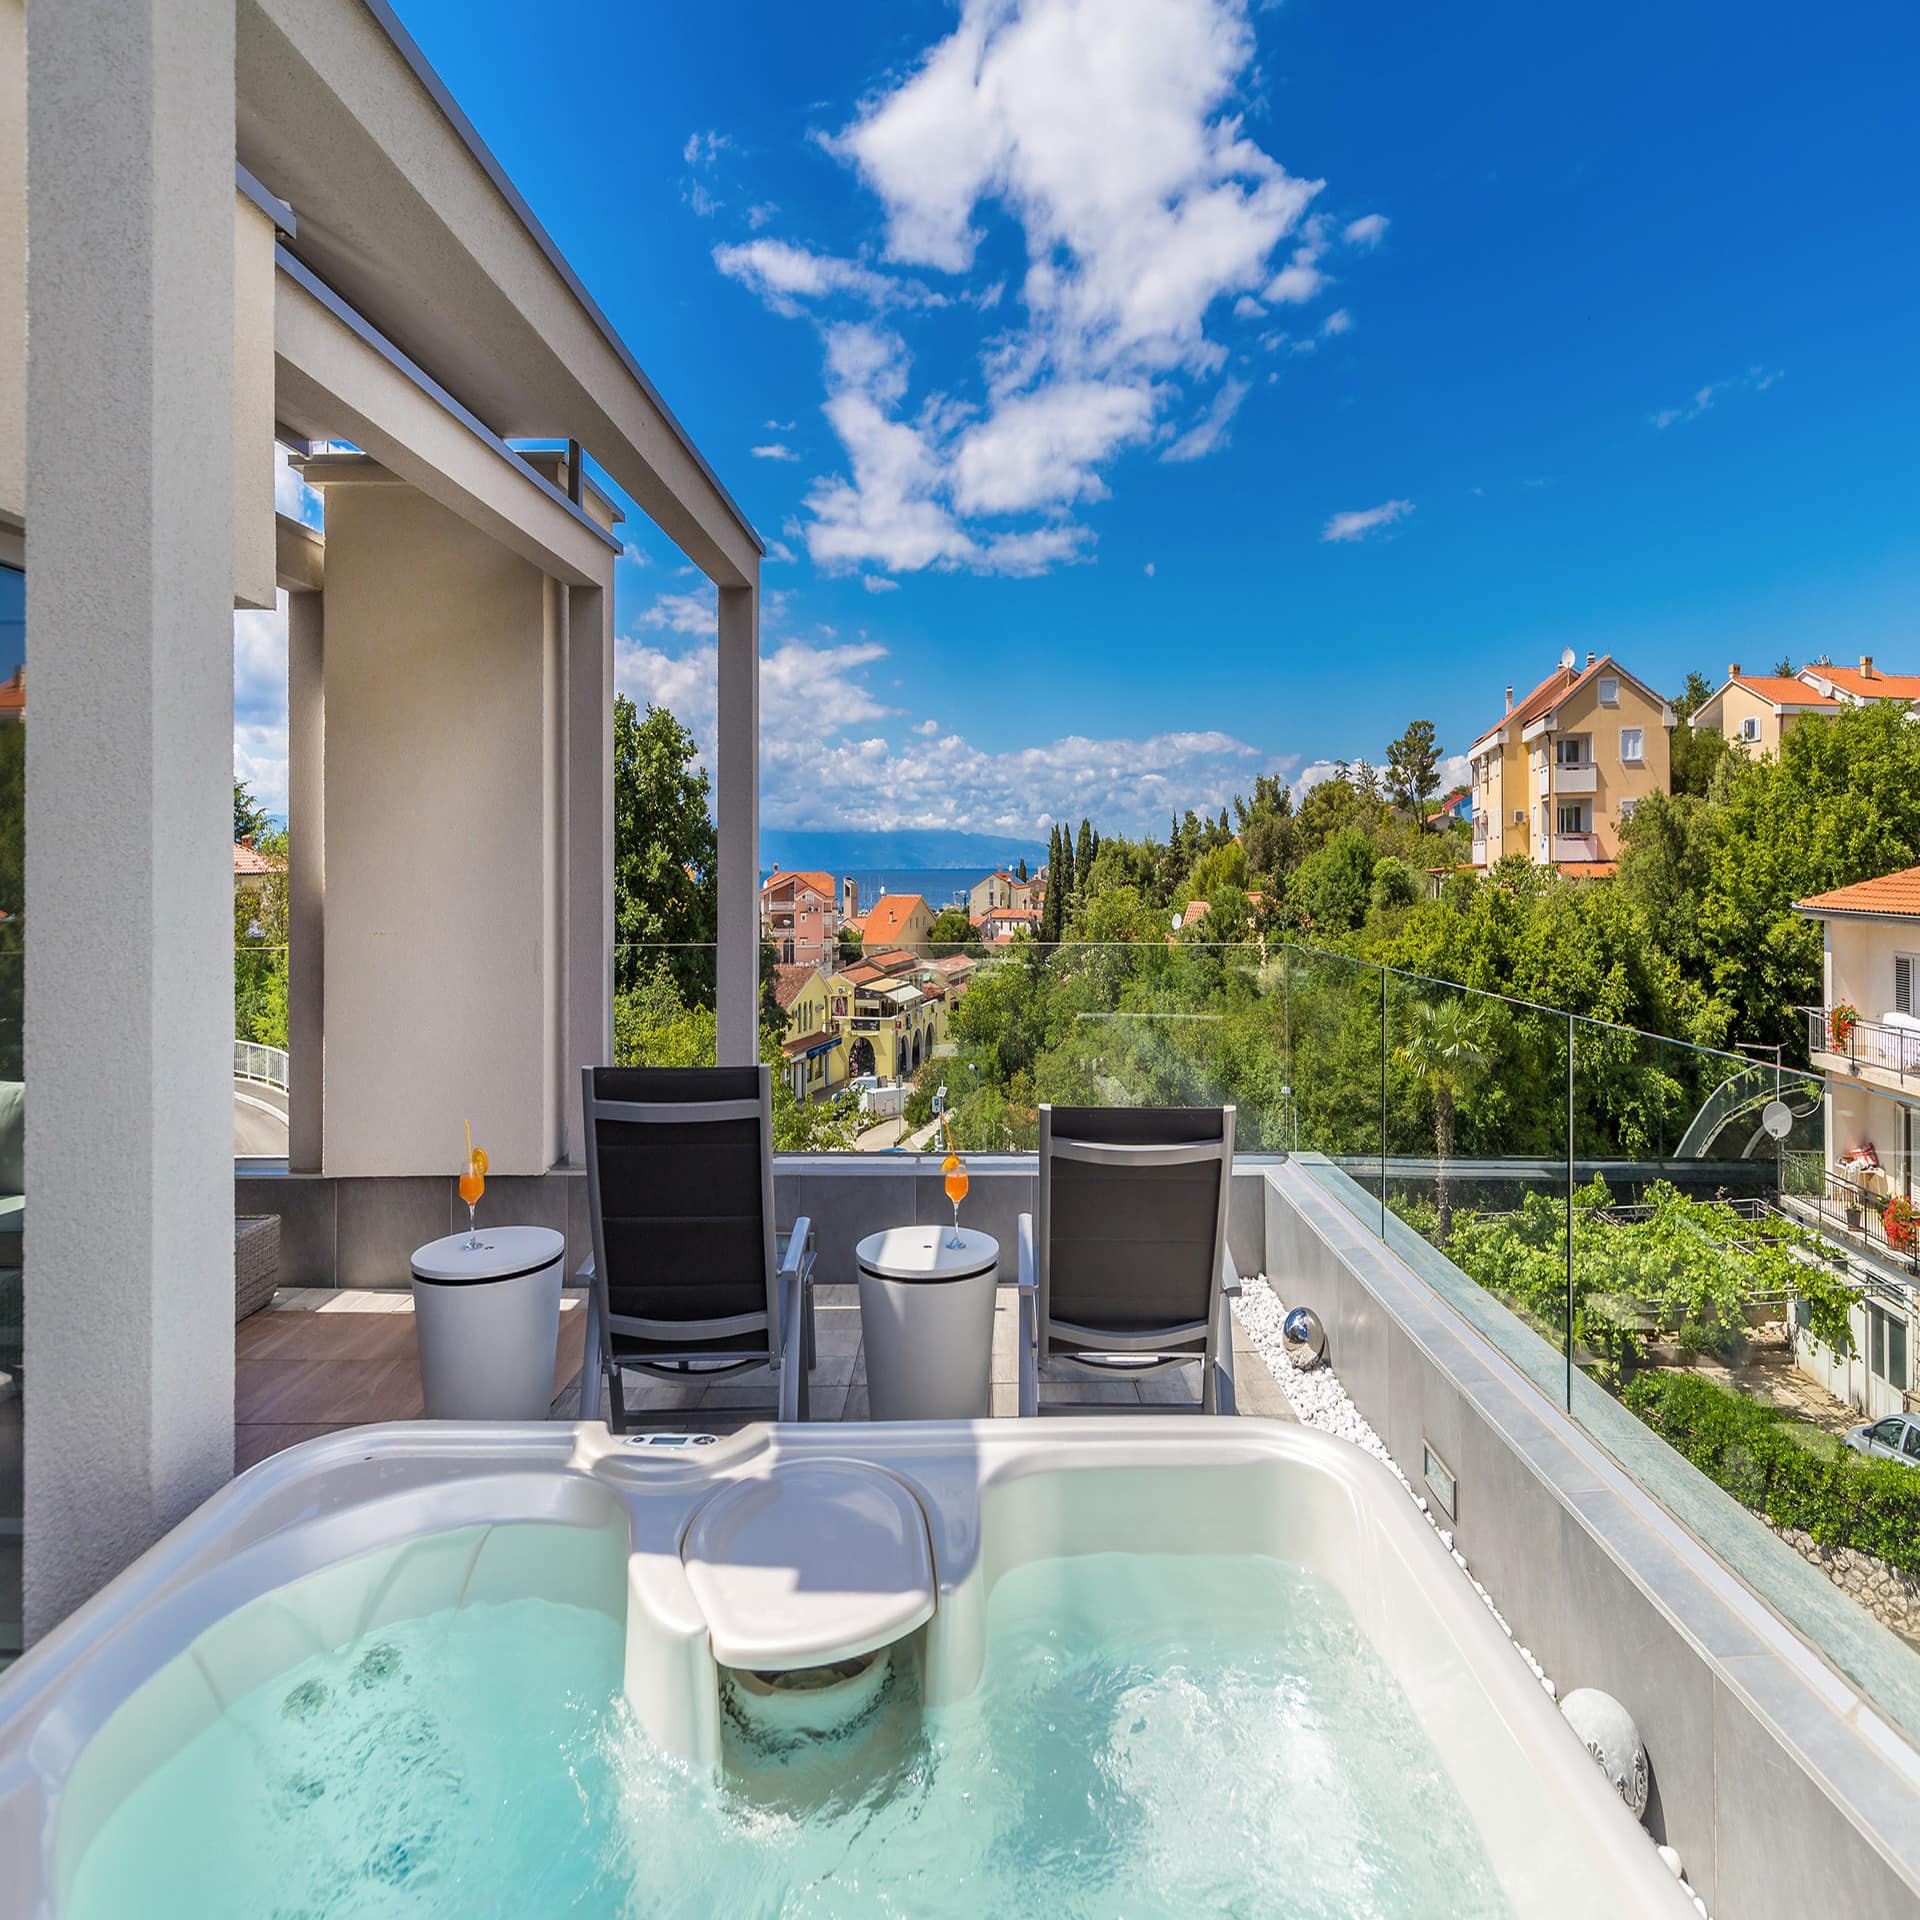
814 1050
890 1018
1001 890
1556 778
1757 709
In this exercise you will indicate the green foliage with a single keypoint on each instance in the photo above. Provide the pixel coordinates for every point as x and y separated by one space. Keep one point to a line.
1784 1469
664 854
952 928
250 821
1413 770
1332 889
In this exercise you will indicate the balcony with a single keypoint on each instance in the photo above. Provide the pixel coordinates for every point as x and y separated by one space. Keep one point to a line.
1878 1052
1581 779
1576 847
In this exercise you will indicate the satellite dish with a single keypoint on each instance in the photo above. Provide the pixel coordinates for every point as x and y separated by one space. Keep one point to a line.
1777 1119
1566 656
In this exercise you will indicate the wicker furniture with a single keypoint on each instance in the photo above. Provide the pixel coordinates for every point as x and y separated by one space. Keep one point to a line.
256 1262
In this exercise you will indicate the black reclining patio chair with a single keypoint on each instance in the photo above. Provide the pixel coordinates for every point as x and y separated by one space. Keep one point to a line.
1128 1272
686 1281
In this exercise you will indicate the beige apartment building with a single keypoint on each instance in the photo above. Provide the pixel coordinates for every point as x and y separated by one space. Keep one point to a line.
1864 1042
1000 889
1756 710
1556 778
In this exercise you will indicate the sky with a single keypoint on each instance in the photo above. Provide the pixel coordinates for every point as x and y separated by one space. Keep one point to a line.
1136 396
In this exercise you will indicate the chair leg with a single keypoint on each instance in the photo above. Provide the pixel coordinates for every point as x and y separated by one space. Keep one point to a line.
616 1399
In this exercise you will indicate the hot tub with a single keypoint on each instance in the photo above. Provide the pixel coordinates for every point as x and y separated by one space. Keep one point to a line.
1142 1665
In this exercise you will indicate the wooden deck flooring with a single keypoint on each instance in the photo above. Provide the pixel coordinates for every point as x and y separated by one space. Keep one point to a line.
319 1360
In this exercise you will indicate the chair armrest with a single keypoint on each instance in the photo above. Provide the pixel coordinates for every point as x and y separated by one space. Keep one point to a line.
798 1260
1229 1279
796 1276
1029 1281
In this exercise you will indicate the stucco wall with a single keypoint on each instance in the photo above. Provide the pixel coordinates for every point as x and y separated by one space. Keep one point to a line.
442 990
13 260
254 570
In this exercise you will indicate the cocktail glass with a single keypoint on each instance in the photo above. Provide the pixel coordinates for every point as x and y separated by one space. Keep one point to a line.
956 1183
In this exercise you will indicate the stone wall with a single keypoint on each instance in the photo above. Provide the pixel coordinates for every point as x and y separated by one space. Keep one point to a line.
1892 1597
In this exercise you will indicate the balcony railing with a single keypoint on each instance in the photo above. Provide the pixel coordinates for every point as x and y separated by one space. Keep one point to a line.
1842 1209
1576 846
1873 1044
1583 778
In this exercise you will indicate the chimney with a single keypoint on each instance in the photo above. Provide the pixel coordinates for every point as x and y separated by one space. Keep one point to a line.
1866 666
1733 669
1509 699
1590 656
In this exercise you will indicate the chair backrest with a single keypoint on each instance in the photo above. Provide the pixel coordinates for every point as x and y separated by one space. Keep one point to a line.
680 1187
1132 1216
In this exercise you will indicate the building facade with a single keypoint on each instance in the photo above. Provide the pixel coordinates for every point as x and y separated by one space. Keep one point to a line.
999 889
800 918
1558 776
891 1009
1864 1042
814 1051
897 920
1756 710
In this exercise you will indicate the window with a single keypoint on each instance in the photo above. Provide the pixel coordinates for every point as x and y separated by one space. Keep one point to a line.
1570 750
1911 1444
1887 1357
1633 745
1750 729
1887 1433
1519 816
1905 966
1626 809
1573 816
1609 691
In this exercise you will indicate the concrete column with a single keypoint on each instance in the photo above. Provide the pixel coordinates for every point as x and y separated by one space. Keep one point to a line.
737 780
306 880
129 1015
589 848
442 994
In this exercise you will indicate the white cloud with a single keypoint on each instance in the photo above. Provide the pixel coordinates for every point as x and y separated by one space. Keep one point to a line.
779 553
633 555
1358 525
1148 569
830 756
775 450
879 583
700 153
1338 321
1368 231
260 703
1210 430
784 275
1754 380
1247 308
1108 132
779 426
695 612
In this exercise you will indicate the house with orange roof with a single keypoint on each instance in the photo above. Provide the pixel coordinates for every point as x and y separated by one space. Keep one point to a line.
1861 686
1557 776
999 889
13 698
800 917
897 920
252 869
1758 709
1864 1042
999 925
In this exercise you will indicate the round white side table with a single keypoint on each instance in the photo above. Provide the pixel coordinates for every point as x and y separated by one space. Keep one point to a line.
488 1323
926 1322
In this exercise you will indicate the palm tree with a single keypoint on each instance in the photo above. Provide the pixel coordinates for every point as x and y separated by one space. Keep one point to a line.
1447 1051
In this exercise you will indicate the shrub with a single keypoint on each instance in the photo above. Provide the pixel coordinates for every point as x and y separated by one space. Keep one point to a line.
1784 1469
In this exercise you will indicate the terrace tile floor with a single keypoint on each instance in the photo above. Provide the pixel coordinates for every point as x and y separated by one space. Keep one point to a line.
319 1359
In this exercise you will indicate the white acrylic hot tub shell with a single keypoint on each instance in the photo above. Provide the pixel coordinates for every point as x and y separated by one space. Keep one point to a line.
328 1540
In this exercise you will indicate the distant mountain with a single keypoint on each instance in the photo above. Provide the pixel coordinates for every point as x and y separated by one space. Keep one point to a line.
840 853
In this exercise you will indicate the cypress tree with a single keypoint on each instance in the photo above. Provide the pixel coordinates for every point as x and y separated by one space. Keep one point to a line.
1083 856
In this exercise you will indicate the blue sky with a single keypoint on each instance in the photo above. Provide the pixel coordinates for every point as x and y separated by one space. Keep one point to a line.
1166 391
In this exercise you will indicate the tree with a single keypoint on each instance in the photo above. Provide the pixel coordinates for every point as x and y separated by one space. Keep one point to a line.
250 820
1266 827
1020 868
1083 851
665 896
952 928
1784 667
1446 1051
1413 770
1693 695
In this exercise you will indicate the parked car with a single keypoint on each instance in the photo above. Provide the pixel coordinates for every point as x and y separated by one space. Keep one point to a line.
1895 1438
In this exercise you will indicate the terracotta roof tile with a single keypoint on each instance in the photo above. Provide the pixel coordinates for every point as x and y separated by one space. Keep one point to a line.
789 979
1874 686
249 859
1783 690
819 882
890 913
1893 894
